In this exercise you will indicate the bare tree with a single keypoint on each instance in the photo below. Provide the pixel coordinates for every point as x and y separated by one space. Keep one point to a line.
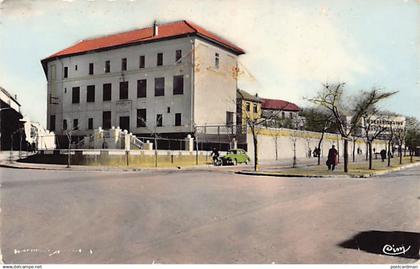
412 136
347 117
372 129
256 124
400 134
69 133
318 120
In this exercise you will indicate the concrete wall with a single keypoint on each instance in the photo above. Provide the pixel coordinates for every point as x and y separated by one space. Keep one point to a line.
270 139
121 158
214 88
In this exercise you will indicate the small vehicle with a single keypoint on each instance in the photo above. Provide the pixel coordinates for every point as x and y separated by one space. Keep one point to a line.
235 156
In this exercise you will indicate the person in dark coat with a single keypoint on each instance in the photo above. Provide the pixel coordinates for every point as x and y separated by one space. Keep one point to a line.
383 154
332 158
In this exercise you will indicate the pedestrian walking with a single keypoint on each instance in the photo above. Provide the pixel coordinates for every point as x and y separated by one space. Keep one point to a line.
383 154
332 158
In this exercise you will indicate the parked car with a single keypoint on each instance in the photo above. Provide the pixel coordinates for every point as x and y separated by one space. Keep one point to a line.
235 156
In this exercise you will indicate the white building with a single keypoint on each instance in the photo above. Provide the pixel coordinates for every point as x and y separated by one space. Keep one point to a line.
164 79
384 124
37 136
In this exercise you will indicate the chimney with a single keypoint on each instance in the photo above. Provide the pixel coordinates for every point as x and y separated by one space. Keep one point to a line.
155 29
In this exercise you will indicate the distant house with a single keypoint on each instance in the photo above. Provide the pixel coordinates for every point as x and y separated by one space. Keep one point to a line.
248 107
282 109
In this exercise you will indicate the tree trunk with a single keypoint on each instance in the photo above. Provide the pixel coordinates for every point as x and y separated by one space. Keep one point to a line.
367 151
276 141
255 140
400 151
346 155
389 153
370 155
354 150
319 147
294 154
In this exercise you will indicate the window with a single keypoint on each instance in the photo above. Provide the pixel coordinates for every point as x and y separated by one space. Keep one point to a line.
178 84
90 123
106 119
282 115
255 108
64 124
159 59
123 64
168 109
91 69
90 94
248 106
107 66
66 72
178 56
216 60
52 122
291 115
123 90
177 119
159 118
107 92
141 88
141 117
75 124
142 61
159 86
229 118
75 67
75 98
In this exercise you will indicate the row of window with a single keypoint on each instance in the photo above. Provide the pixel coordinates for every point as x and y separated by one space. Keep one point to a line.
124 121
142 63
178 89
248 107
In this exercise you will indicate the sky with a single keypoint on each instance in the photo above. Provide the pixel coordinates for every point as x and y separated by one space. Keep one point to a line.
292 47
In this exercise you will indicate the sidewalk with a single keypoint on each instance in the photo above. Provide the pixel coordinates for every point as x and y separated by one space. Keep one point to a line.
357 169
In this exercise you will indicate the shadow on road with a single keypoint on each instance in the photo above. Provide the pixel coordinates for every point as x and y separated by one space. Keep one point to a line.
392 243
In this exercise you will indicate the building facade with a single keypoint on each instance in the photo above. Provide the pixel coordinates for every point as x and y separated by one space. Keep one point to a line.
164 79
10 115
248 107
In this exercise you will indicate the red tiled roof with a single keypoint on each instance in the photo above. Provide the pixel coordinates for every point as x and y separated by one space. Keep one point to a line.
169 30
276 104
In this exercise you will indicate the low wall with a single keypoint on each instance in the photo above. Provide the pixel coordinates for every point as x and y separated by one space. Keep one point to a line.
277 143
122 158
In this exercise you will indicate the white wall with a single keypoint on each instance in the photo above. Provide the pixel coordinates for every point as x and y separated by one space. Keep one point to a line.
214 88
304 141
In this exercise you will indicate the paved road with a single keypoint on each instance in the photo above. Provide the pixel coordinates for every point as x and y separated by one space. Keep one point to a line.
205 217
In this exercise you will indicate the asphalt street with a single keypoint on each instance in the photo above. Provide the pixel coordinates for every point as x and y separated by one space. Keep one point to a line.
206 217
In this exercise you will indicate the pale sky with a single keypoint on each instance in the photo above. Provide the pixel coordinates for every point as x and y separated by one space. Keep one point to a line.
291 46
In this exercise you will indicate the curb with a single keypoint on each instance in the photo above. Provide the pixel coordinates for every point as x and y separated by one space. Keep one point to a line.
394 169
289 175
67 169
116 169
367 175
